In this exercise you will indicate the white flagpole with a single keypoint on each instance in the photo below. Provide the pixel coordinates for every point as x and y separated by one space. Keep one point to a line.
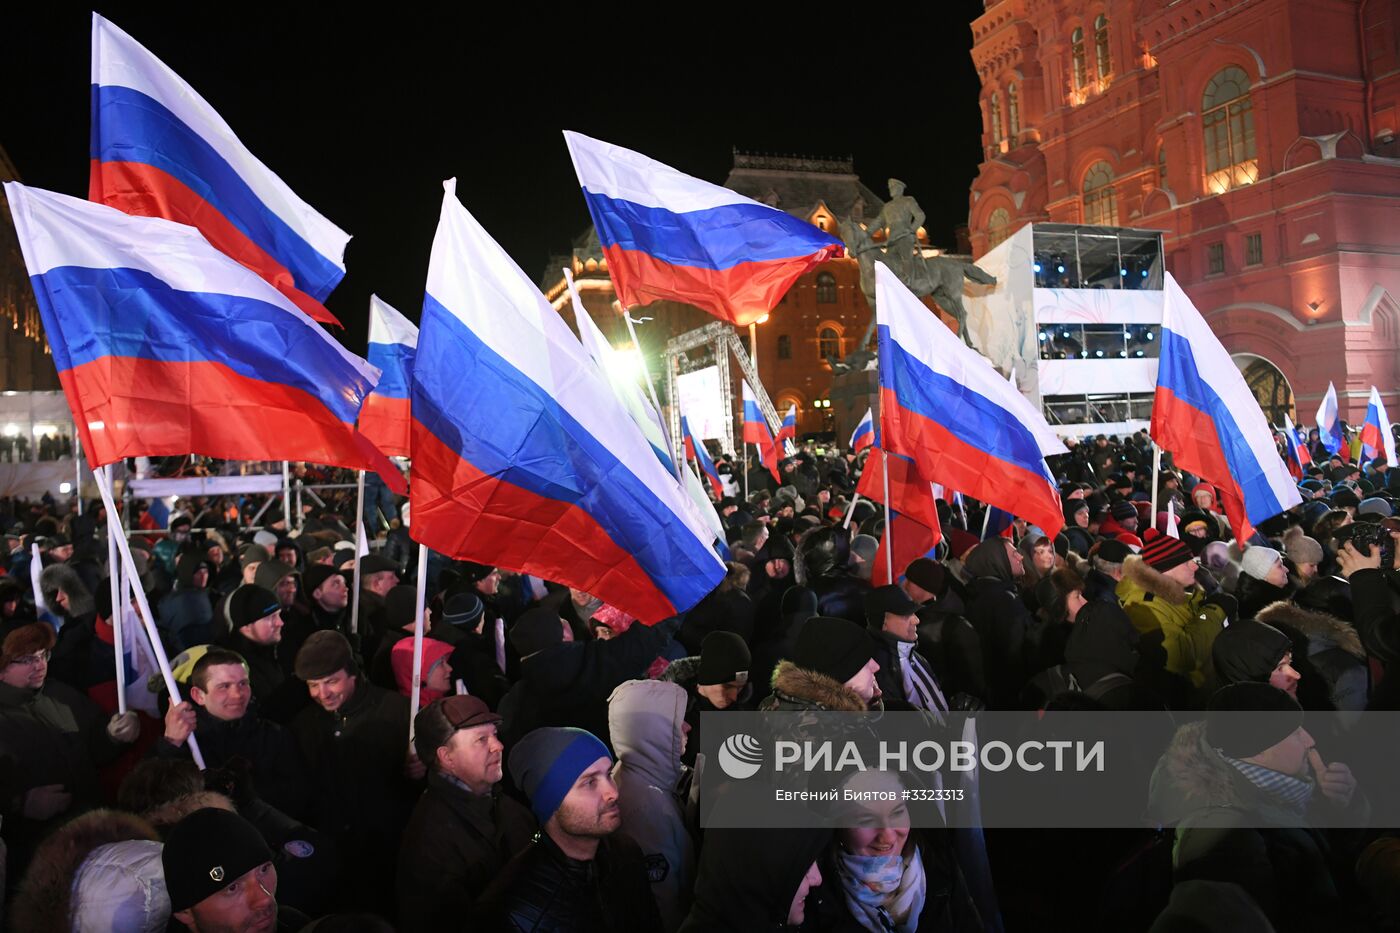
286 498
889 529
147 618
646 374
986 520
1156 468
114 581
418 638
851 510
359 536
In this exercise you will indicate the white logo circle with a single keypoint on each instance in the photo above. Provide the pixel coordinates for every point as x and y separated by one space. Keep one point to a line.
740 756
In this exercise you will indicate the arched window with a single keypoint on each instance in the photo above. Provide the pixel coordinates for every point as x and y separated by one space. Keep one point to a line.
828 342
1100 203
1080 71
1103 59
826 289
998 226
1227 123
1013 114
994 113
1162 167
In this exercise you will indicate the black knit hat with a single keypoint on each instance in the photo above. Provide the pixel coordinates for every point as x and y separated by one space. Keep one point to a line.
1248 651
536 630
400 606
249 603
834 647
927 574
322 654
885 599
1122 511
724 657
1247 718
206 852
462 608
472 572
316 575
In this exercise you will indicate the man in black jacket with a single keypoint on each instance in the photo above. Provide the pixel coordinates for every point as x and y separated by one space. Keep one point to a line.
256 626
904 674
463 830
354 739
581 873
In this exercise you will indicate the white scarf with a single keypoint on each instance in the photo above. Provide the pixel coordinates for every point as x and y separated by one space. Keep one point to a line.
885 893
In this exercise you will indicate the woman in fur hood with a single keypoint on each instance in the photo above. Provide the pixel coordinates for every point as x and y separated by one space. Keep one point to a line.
1334 650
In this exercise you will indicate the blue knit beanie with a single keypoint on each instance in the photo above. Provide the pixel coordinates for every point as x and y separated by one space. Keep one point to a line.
546 763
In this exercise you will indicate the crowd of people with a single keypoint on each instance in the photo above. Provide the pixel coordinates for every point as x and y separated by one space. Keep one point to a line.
550 781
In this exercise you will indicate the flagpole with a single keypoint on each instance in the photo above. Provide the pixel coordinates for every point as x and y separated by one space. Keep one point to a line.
646 374
986 520
1156 469
114 582
889 529
359 536
286 498
418 638
855 497
746 475
147 618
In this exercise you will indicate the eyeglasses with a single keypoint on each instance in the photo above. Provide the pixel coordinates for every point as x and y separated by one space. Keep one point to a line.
29 660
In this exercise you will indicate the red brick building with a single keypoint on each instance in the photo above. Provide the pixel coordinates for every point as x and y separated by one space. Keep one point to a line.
1262 137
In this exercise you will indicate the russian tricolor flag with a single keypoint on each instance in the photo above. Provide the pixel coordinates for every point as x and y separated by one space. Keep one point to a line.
1329 425
1299 458
393 340
944 406
757 432
695 450
787 431
1208 418
1376 437
159 150
165 346
864 434
670 237
522 455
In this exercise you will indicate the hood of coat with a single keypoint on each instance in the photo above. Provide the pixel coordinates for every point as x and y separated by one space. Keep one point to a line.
748 877
401 660
53 887
811 688
989 559
1138 575
646 721
1317 626
56 577
1192 776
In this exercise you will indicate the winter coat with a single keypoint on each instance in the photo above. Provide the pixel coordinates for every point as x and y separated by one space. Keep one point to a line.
1374 601
796 688
1334 650
954 650
683 671
728 611
359 795
187 613
1102 654
645 718
823 565
569 684
542 890
890 676
1100 587
748 878
1329 594
1188 624
1256 594
278 773
1001 621
454 845
1228 830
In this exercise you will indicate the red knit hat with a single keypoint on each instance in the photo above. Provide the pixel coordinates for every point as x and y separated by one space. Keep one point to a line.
1163 552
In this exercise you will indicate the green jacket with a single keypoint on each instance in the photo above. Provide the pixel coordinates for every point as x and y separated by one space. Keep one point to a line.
1153 601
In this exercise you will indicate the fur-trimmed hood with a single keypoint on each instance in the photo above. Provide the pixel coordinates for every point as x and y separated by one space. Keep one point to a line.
682 671
1137 573
1316 625
1191 776
46 895
57 577
798 687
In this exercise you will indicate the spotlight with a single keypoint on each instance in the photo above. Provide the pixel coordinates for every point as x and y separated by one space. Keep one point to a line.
1141 353
1060 269
1098 353
1151 336
1043 336
1122 272
1035 267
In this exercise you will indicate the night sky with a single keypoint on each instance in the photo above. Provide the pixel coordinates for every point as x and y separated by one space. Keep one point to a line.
365 115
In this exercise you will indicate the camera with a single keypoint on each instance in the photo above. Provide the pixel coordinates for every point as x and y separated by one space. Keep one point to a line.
1366 535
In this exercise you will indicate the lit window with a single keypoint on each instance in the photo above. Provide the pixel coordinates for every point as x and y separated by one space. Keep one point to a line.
1080 71
1100 201
826 289
994 112
1013 113
828 343
1103 60
1227 124
998 226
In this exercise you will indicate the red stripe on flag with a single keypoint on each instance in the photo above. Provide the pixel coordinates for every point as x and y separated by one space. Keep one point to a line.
146 191
466 514
387 422
1190 435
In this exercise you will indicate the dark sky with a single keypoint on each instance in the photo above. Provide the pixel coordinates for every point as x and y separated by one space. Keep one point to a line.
364 115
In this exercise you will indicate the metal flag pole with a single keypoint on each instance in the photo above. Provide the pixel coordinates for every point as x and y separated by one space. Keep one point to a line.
114 581
418 638
147 617
359 536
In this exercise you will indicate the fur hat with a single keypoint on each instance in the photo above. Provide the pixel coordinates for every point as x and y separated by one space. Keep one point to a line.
1301 549
26 640
61 577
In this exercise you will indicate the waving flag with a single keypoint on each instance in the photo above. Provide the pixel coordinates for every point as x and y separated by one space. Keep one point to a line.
864 434
1377 440
914 530
159 150
1299 459
757 432
670 237
165 346
695 450
943 405
1208 418
1329 425
393 340
522 455
787 431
